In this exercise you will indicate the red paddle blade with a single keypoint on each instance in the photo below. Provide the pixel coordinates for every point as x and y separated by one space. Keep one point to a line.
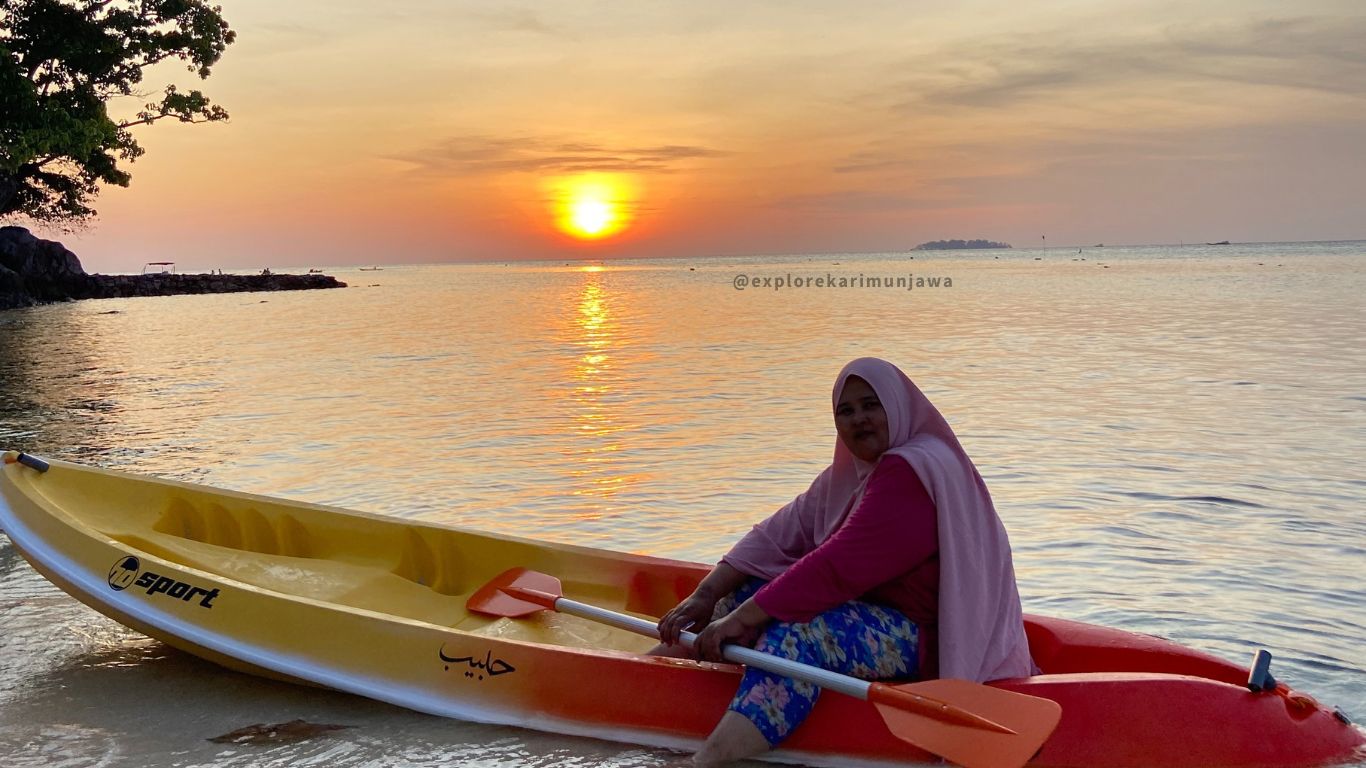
1030 718
493 598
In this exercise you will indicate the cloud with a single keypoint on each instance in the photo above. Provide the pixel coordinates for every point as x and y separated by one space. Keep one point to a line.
510 19
864 201
1309 53
1010 106
276 39
476 155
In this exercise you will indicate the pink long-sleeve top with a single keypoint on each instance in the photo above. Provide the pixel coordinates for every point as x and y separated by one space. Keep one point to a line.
886 551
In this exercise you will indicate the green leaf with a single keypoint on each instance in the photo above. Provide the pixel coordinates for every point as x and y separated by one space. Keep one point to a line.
60 63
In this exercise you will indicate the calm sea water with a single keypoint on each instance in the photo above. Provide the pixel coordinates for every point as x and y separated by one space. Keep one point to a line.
1173 436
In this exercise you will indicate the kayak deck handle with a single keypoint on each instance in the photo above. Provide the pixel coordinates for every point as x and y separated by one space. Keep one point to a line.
1259 679
32 462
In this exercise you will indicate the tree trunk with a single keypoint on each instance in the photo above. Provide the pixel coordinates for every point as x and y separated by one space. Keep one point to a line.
9 188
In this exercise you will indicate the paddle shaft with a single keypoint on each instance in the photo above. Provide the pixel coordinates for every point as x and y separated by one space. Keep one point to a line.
849 686
880 693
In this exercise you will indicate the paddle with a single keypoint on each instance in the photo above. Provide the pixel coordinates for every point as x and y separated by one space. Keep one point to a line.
974 725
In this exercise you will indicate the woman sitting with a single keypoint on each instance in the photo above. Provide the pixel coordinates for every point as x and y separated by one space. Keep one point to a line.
893 564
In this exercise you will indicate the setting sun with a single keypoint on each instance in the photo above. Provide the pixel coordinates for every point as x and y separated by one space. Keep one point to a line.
592 217
592 206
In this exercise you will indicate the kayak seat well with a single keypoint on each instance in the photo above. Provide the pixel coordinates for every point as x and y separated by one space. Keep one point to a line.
395 570
330 581
420 564
392 567
402 549
246 529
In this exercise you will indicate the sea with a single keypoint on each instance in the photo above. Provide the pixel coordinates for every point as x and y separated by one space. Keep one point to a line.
1174 437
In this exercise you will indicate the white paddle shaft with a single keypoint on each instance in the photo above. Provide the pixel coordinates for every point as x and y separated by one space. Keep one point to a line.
849 686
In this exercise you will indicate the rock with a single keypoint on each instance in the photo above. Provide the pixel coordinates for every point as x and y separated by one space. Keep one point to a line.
40 259
36 271
11 284
119 286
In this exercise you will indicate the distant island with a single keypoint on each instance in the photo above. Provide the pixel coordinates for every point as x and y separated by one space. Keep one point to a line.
36 271
958 245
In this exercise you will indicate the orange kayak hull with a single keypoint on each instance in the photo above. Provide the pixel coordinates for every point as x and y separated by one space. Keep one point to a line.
374 606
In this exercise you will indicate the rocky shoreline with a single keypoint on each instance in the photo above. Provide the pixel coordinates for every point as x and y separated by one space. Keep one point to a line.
36 271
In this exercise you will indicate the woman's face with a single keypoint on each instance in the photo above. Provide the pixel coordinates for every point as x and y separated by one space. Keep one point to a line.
860 421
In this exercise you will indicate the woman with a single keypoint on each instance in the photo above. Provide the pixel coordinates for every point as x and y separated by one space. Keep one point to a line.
892 564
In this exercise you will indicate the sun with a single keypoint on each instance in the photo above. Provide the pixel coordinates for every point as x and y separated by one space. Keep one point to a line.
591 218
591 206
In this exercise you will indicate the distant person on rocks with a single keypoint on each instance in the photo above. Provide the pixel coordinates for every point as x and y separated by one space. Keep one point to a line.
893 564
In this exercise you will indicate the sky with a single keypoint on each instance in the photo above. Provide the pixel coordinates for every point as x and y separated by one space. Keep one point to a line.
407 131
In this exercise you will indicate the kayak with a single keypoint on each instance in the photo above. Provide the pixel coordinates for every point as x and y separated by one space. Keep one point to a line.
376 606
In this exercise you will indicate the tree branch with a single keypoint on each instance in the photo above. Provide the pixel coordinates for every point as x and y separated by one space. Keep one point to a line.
154 118
76 56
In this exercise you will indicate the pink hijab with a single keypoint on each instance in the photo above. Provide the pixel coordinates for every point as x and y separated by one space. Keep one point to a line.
981 632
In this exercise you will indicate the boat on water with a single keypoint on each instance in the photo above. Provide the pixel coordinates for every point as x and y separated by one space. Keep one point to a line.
376 606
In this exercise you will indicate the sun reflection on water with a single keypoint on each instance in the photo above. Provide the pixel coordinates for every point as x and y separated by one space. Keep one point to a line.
596 398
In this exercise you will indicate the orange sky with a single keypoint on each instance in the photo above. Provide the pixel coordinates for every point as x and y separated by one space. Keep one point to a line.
439 131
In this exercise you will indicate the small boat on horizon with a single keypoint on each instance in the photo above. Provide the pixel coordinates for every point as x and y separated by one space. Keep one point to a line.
371 269
1221 242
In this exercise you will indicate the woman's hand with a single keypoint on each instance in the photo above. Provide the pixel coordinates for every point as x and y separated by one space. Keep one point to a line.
696 611
693 613
741 626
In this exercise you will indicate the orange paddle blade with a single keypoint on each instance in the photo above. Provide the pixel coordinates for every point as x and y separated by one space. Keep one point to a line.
904 697
498 597
1025 722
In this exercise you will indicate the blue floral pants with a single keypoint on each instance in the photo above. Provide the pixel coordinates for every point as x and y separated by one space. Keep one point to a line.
866 641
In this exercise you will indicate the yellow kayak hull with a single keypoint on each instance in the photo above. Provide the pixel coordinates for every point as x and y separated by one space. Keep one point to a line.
361 603
374 605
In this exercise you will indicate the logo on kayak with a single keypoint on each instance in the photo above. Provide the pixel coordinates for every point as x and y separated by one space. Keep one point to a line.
124 573
476 667
128 573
